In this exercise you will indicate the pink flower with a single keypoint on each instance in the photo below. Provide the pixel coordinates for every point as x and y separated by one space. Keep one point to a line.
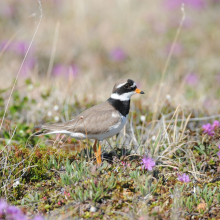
38 217
216 124
28 66
18 47
13 210
218 155
62 70
21 47
217 77
208 129
148 163
123 163
118 54
184 178
192 79
177 49
3 206
59 203
7 10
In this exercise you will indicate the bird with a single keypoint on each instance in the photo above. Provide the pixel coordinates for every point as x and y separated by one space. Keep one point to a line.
101 121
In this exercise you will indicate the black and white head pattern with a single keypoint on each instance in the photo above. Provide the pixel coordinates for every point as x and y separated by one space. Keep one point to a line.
123 90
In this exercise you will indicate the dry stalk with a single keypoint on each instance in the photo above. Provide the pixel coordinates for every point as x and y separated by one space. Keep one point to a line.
156 106
53 50
16 79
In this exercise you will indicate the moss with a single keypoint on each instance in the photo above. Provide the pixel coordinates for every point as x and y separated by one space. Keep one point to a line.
45 173
211 162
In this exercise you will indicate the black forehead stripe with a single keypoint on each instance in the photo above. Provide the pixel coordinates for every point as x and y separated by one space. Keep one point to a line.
130 82
123 90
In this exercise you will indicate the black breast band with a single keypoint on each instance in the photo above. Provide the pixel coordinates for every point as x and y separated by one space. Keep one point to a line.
122 106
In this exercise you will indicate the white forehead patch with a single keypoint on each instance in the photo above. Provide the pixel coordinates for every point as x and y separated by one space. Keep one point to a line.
120 85
133 85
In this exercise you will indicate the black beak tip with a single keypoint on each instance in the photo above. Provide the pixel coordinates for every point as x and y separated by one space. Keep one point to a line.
142 92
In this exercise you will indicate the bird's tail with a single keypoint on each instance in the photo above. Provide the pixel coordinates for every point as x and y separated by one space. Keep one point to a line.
52 129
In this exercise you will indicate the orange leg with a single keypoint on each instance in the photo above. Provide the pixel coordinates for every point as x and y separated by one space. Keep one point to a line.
98 154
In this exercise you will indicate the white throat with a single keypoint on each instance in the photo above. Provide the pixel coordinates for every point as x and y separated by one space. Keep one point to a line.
123 97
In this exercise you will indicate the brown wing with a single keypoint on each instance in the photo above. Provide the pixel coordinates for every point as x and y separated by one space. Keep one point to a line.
95 120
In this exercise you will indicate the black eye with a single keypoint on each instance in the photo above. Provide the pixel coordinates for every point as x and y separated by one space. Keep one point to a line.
126 86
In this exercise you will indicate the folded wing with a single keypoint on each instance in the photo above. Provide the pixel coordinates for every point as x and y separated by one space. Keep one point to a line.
96 120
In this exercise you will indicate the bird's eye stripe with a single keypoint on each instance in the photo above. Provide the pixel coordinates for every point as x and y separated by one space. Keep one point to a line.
120 85
133 85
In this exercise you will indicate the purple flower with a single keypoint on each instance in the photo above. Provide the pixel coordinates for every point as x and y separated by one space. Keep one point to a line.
148 163
62 70
192 79
20 217
21 47
14 213
3 206
28 65
184 178
177 49
18 47
118 54
216 124
217 77
219 146
208 129
218 155
38 217
7 10
13 210
175 4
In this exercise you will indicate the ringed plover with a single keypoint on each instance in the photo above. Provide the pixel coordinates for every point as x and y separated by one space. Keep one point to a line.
101 121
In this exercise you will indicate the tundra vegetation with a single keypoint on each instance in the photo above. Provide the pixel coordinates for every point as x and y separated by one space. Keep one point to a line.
59 57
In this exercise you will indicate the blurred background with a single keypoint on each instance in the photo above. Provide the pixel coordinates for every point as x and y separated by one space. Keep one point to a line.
82 47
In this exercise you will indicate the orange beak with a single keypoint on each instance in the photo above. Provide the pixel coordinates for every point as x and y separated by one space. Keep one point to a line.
139 91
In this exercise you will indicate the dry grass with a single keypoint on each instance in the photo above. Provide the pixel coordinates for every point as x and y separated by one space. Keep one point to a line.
88 33
161 52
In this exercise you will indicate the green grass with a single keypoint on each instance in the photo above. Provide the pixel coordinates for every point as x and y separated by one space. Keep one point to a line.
54 181
58 176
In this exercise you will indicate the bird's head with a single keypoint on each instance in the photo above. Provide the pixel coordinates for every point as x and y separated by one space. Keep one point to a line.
124 89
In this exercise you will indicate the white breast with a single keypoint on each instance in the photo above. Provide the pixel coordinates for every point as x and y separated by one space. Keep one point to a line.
115 129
